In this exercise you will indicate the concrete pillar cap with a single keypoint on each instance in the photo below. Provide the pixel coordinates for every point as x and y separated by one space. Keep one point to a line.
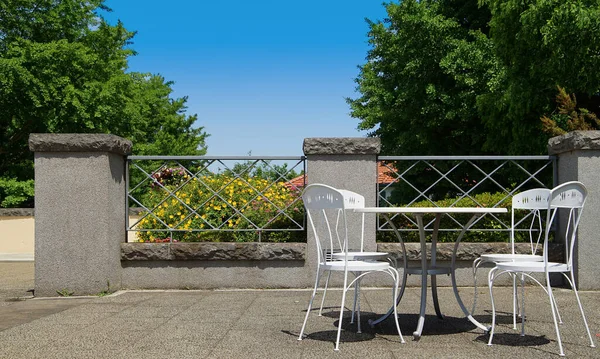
576 140
79 142
342 146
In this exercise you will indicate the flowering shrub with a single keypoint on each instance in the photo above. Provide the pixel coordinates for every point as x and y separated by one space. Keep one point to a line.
236 207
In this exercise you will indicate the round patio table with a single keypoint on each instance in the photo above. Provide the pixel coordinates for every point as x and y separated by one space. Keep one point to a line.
430 268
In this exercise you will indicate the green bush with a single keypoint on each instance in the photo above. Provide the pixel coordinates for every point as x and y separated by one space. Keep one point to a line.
232 206
15 193
497 231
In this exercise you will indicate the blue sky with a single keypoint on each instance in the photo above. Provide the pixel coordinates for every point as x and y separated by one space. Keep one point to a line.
261 75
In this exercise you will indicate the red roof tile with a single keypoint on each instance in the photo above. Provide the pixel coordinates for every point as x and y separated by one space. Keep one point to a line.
385 175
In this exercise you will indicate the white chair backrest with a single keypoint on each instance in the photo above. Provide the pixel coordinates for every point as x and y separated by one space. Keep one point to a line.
322 203
534 200
571 196
353 200
320 196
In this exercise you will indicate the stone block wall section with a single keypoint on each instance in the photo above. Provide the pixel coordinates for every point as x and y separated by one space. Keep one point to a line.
579 160
80 212
81 209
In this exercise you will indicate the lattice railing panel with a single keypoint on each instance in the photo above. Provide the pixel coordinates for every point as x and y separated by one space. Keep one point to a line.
186 198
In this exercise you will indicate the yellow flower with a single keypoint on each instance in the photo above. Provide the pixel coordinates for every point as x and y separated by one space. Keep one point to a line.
182 216
187 201
204 216
171 216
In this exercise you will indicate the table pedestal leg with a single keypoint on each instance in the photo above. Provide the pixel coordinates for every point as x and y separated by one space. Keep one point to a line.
434 237
434 294
417 333
453 275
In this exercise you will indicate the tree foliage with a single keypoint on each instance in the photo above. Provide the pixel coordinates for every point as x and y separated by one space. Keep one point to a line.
63 70
541 44
467 77
569 117
420 81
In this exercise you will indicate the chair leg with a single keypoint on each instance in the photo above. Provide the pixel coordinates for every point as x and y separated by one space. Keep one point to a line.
357 303
476 264
587 328
491 286
515 304
356 289
396 277
553 307
324 292
310 303
339 333
522 311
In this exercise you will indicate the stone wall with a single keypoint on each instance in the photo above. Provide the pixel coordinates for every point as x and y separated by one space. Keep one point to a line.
81 208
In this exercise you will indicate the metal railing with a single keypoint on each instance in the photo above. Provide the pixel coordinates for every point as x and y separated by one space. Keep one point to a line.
460 181
204 198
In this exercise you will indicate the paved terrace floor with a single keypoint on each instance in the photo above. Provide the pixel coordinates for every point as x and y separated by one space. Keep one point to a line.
266 323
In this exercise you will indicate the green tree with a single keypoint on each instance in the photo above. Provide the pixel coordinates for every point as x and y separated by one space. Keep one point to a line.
475 77
63 70
423 71
541 44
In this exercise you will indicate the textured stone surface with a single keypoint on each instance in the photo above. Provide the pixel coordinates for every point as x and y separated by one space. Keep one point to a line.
576 140
145 251
79 221
78 142
16 212
209 251
342 146
466 251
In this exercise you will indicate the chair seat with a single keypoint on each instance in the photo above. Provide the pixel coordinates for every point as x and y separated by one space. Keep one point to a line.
508 257
355 266
364 256
537 267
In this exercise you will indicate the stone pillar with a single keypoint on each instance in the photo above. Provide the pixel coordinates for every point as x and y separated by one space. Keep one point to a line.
345 163
579 160
80 209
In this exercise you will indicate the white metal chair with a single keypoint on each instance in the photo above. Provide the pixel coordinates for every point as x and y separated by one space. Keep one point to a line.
535 201
352 200
570 196
324 206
